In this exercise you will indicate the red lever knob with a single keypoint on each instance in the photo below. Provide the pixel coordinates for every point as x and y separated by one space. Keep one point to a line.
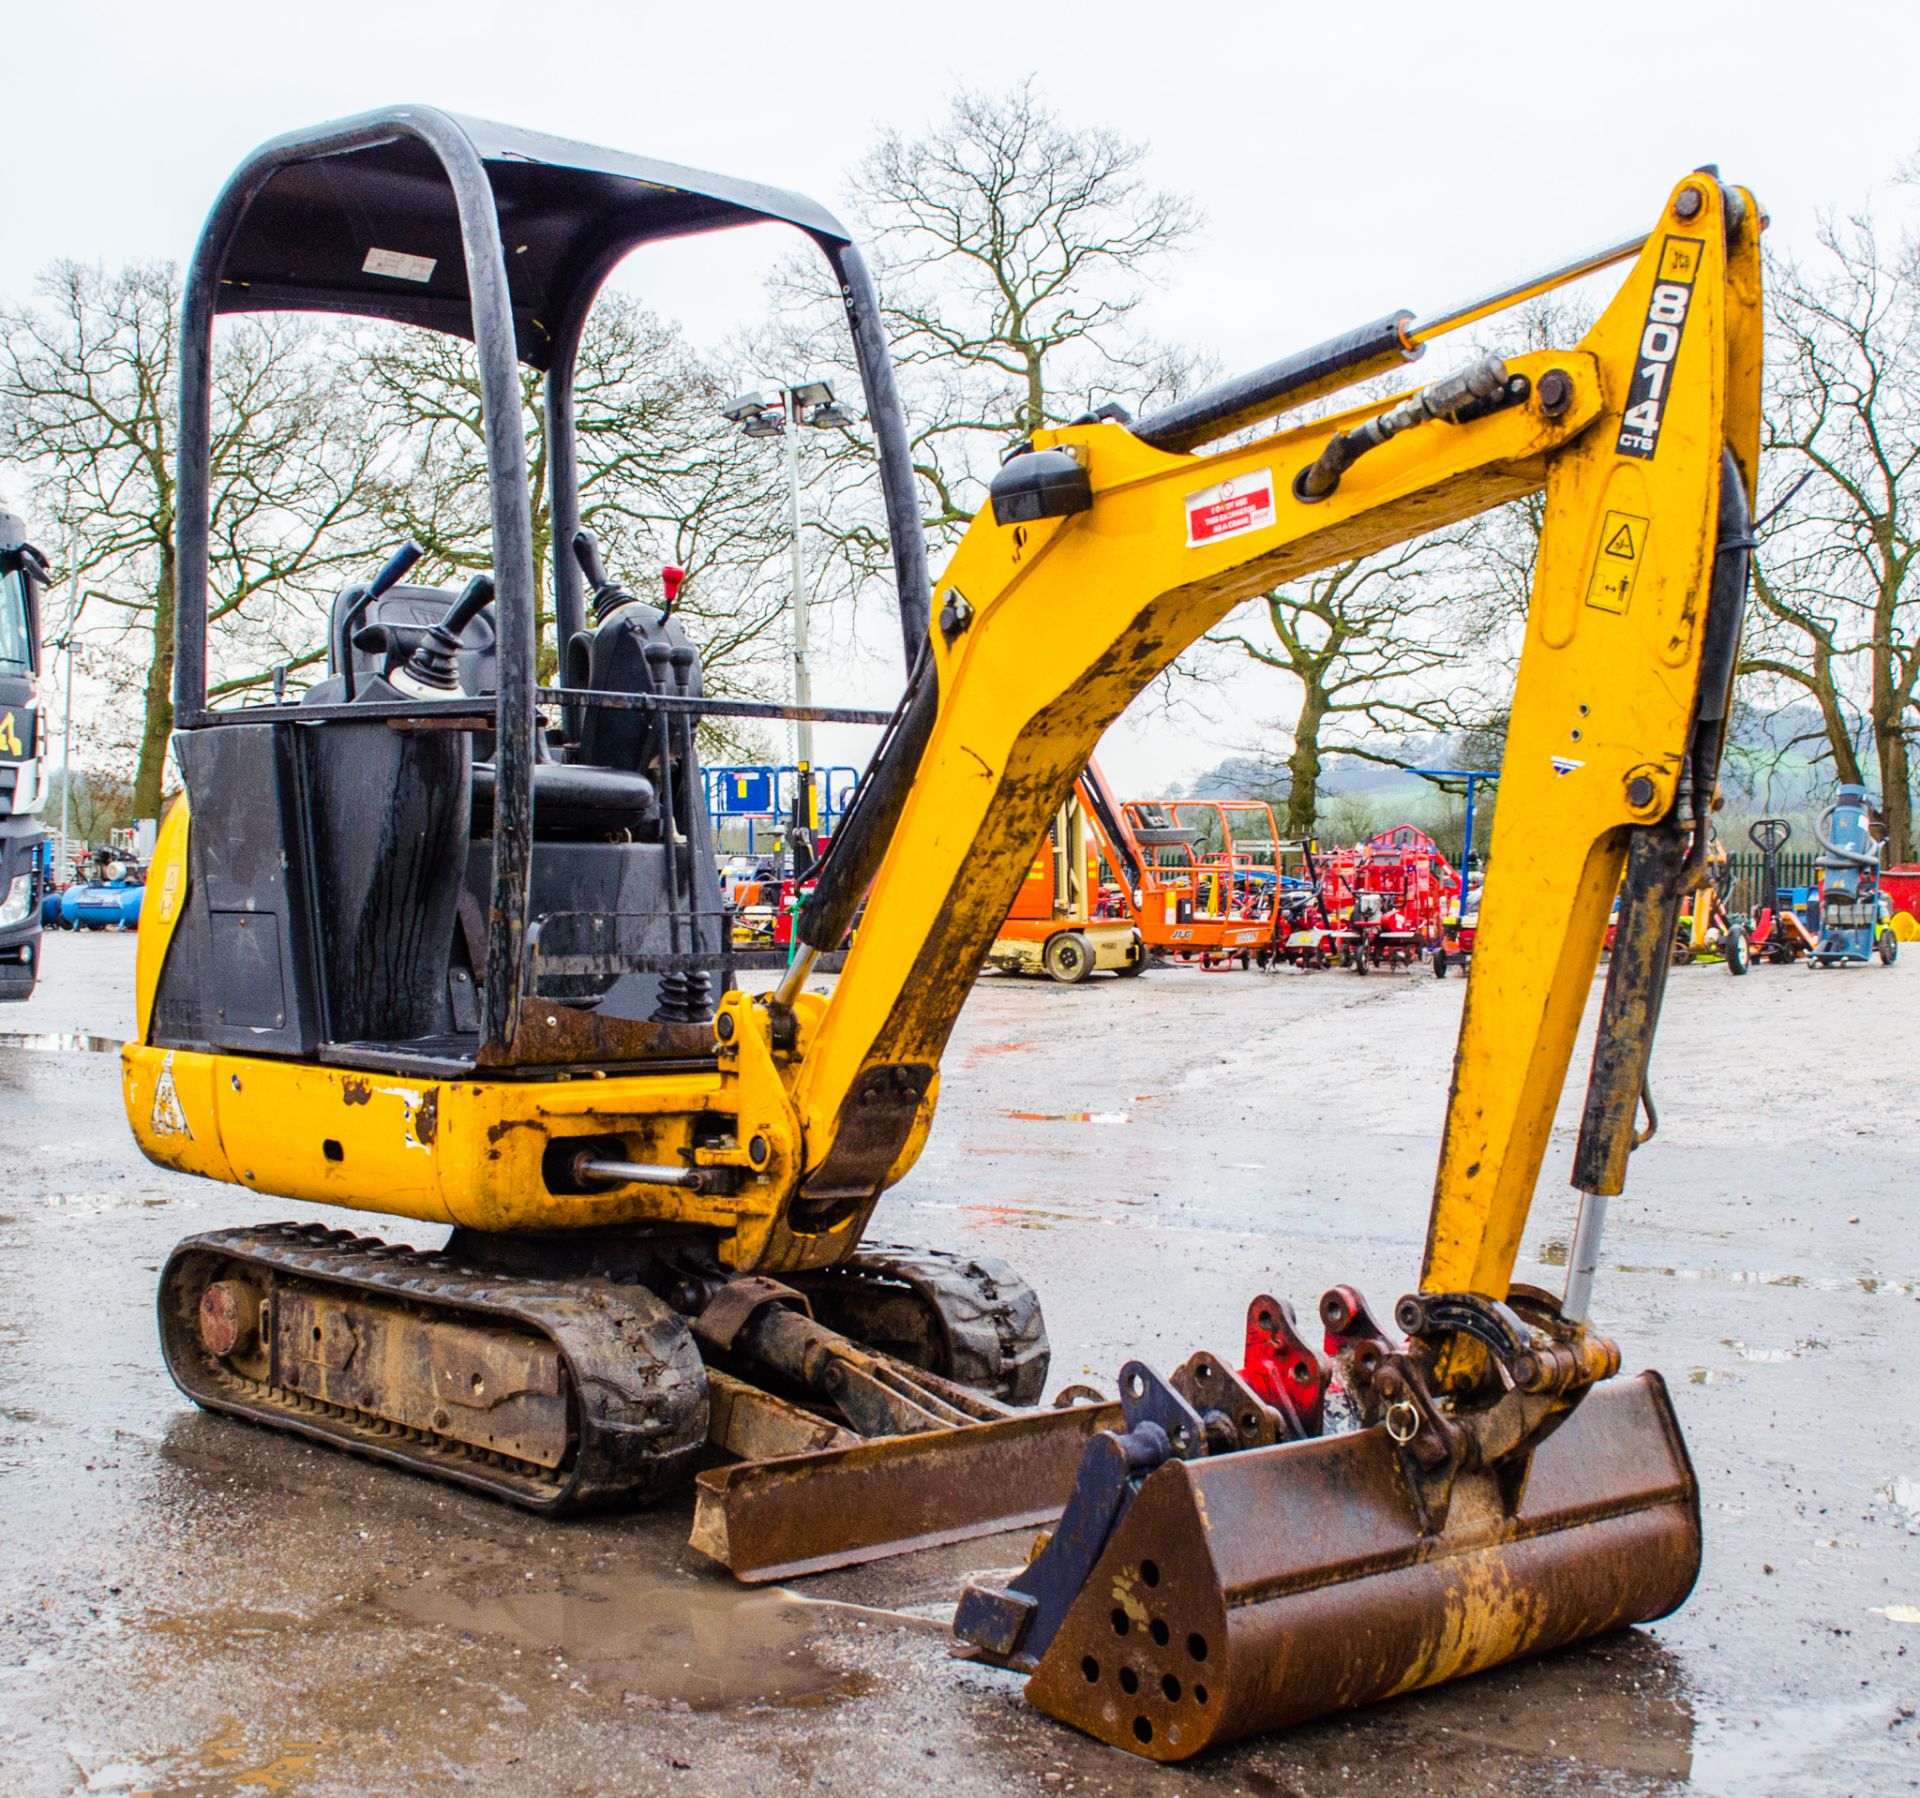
672 578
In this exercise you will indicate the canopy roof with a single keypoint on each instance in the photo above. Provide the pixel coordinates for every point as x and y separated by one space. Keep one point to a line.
373 230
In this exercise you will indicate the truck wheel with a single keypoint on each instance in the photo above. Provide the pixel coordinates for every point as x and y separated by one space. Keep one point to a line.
1138 966
1068 958
1737 951
1889 948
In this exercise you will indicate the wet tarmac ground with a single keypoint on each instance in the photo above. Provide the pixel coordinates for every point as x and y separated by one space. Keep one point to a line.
192 1605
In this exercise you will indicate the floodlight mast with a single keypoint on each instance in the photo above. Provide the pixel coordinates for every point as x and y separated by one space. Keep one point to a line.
797 403
802 685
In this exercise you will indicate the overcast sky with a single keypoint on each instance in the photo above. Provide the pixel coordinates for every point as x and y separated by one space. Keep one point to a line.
1349 159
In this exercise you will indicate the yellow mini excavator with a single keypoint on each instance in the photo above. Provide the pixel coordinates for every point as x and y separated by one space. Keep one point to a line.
439 942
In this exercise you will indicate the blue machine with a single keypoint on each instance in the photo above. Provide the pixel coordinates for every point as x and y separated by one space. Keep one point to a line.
49 898
1856 918
112 903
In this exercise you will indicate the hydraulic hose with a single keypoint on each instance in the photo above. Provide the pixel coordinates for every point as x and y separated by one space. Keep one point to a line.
1719 650
1661 867
853 857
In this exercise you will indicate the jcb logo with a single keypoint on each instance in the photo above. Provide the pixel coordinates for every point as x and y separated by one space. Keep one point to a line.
10 743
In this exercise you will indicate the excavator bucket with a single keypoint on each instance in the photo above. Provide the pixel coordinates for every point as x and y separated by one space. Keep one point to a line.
1260 1589
1249 1591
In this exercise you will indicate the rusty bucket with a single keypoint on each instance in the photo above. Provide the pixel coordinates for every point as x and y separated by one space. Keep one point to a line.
1251 1591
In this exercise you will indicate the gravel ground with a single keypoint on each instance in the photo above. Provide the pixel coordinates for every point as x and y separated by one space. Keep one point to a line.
190 1605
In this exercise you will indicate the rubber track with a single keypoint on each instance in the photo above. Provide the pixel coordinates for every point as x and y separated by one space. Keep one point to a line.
639 1395
996 1337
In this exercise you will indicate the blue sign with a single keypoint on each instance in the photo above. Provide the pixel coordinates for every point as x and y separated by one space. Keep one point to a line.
747 790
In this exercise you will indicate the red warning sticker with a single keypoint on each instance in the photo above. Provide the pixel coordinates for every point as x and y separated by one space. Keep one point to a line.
1231 509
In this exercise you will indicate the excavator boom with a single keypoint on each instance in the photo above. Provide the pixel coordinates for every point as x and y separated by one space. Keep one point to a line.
1505 1493
1050 627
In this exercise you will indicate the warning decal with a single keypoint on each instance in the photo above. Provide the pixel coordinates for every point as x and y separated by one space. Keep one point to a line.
168 1118
1623 545
399 266
1231 509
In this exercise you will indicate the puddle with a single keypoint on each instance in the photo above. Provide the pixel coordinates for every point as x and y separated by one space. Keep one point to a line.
95 1204
1737 1755
1650 1740
1807 1345
1071 1117
235 1625
685 1643
1553 1253
1901 1495
227 1762
59 1042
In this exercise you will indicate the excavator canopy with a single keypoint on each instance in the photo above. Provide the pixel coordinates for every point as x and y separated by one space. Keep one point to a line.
373 228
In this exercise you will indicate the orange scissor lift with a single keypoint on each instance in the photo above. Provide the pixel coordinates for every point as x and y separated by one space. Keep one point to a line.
1060 923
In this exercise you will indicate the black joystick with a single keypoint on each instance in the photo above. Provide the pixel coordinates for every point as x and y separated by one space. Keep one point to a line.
431 671
608 595
393 571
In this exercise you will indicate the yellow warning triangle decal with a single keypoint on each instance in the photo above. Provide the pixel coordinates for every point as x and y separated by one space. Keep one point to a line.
1621 543
168 1117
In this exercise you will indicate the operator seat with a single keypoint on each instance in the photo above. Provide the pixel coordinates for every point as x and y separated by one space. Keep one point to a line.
569 800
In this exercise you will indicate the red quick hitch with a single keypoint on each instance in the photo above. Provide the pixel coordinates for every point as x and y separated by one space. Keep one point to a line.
1282 1369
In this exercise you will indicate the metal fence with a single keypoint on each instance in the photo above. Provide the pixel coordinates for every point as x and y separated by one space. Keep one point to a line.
1797 869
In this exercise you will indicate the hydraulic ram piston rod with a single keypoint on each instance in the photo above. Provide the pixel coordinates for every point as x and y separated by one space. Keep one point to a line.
1422 331
1357 355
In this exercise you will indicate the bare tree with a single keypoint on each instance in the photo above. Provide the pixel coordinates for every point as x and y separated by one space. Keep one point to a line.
1012 252
89 403
662 477
1367 643
96 804
1837 610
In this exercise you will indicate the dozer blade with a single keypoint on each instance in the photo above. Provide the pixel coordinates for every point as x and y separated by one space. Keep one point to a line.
1251 1591
838 1507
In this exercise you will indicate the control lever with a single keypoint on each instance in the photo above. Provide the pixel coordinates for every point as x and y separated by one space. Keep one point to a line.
672 579
392 572
431 671
608 595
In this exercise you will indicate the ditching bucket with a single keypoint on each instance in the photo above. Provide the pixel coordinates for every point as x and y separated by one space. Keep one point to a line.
1251 1591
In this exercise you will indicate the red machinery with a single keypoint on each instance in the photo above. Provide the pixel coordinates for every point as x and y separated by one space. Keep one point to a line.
1382 903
